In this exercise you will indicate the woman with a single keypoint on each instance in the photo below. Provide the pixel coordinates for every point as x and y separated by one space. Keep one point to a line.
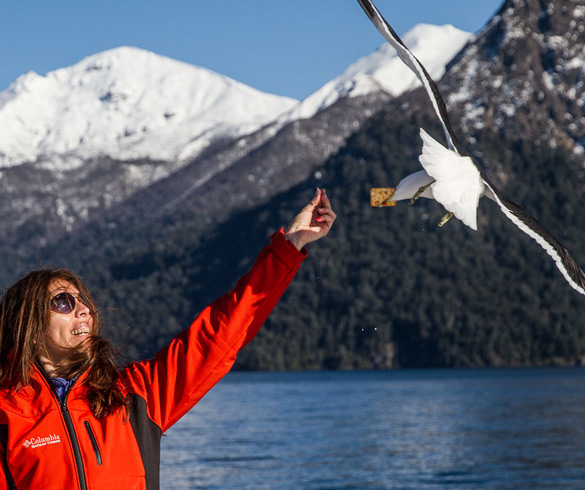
70 419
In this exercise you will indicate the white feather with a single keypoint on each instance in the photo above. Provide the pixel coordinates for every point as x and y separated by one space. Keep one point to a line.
410 185
458 184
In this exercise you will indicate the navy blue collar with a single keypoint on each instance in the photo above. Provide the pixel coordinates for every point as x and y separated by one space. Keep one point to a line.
62 386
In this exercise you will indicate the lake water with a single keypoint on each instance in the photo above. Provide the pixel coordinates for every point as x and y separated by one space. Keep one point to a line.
410 429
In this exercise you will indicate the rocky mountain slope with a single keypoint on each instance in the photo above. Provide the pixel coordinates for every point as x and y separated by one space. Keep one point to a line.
527 70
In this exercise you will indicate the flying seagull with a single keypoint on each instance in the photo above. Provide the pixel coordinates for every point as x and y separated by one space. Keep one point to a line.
454 179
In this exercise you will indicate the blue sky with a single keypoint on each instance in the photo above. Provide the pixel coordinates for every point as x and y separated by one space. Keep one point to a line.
286 47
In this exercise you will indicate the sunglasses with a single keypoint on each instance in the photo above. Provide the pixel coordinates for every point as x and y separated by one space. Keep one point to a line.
63 303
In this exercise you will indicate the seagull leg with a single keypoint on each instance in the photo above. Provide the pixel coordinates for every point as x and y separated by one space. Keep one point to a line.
420 191
445 218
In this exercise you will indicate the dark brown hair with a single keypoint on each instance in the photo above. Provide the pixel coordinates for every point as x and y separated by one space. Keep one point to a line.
24 317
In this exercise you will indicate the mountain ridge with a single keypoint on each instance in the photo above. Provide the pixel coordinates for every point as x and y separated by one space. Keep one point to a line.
48 196
128 104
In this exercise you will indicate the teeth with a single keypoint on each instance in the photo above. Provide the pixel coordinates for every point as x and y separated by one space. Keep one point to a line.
80 331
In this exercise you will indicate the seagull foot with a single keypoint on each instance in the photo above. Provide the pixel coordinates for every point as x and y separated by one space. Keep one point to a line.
420 192
445 218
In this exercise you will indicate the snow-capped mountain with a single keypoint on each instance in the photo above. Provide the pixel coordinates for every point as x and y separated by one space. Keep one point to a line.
127 104
80 142
433 45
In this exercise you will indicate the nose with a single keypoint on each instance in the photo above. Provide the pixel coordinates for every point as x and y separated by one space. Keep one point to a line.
81 309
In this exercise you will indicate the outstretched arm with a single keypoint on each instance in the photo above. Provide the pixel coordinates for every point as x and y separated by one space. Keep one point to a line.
197 358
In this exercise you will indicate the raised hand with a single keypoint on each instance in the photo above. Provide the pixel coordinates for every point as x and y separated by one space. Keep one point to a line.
313 222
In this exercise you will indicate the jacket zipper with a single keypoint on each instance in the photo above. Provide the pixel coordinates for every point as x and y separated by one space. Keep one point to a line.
70 428
96 448
74 442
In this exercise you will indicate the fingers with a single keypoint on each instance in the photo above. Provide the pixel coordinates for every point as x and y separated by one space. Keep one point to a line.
320 208
321 199
317 205
313 222
325 211
324 198
326 214
316 200
325 219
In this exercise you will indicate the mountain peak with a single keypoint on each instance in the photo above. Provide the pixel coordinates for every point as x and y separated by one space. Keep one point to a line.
127 103
434 45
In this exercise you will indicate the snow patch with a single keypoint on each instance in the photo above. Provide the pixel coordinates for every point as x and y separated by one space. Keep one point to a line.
130 104
434 46
579 12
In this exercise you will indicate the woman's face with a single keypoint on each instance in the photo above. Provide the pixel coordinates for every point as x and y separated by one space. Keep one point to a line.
67 330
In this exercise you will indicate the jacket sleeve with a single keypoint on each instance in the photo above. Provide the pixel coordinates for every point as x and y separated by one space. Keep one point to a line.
196 359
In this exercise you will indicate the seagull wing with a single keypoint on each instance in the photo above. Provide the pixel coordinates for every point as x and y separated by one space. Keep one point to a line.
410 184
565 263
563 260
416 66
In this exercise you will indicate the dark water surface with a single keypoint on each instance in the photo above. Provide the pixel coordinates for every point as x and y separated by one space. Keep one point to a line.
421 429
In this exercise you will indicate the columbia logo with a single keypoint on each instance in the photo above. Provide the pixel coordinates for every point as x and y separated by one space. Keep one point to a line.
42 441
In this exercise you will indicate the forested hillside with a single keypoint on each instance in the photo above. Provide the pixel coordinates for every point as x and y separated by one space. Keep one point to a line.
392 289
387 288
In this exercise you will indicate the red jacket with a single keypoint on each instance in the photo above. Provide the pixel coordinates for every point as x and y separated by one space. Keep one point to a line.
47 444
